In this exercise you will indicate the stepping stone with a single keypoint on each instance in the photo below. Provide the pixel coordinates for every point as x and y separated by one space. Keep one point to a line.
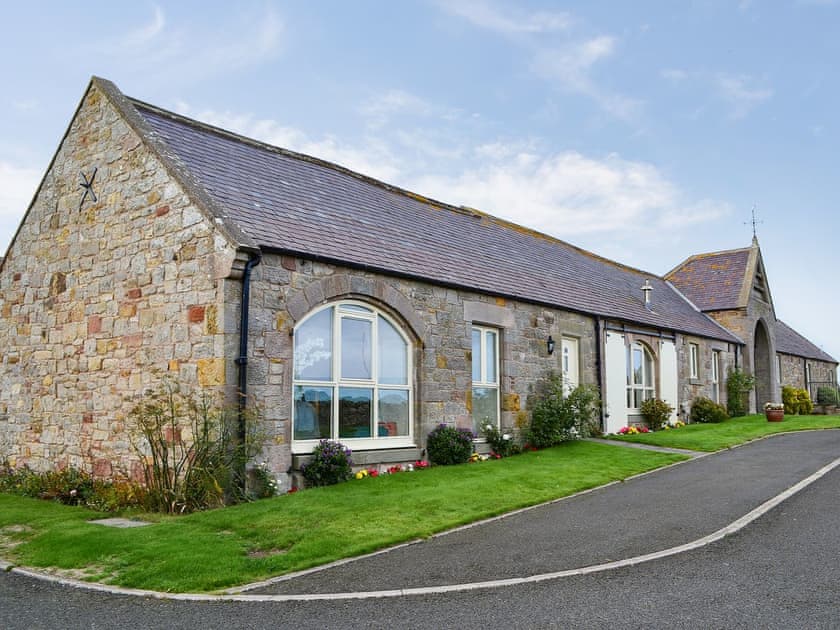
119 522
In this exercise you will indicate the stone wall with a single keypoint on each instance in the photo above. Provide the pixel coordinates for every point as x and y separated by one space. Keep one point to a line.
691 388
437 318
95 299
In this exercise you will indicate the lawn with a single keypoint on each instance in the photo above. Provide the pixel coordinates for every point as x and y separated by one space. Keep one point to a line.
714 437
221 548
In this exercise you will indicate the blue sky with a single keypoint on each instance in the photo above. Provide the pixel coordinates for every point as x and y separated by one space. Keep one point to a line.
643 131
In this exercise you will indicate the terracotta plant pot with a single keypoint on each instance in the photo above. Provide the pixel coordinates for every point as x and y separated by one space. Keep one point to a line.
775 415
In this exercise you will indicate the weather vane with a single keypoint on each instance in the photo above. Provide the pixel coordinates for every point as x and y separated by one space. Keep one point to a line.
753 222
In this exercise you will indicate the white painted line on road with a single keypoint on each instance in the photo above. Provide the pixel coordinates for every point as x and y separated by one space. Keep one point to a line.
453 588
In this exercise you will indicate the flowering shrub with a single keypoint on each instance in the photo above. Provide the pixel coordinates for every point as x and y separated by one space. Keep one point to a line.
771 406
448 445
501 444
72 487
676 424
656 412
262 484
329 465
632 430
420 464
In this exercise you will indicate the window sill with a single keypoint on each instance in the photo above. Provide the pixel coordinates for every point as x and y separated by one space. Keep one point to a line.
304 447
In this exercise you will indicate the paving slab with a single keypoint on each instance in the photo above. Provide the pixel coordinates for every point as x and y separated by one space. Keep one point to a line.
649 513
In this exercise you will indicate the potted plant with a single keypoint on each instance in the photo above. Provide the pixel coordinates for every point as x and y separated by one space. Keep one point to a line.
775 412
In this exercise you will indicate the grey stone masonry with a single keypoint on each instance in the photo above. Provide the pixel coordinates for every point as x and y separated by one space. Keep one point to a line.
100 297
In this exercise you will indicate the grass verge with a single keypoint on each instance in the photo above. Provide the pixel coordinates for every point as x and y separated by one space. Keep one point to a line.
714 437
222 548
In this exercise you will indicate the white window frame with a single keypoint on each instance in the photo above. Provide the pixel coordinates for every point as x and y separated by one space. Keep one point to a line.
648 389
694 360
484 382
716 375
336 382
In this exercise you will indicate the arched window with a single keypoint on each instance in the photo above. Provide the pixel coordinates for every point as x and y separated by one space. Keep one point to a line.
640 384
352 379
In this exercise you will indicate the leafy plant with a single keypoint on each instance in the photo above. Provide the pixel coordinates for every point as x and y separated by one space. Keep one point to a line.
656 412
828 395
738 385
71 486
707 410
330 464
559 417
796 401
501 444
194 459
447 445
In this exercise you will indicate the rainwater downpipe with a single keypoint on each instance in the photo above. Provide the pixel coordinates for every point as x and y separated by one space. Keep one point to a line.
599 369
242 359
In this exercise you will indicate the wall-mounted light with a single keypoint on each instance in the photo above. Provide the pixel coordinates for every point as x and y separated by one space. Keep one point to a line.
549 345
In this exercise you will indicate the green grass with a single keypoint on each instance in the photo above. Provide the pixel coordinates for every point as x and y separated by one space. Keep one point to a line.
213 550
714 437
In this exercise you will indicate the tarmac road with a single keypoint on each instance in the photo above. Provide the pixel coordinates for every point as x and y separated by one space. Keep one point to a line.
781 571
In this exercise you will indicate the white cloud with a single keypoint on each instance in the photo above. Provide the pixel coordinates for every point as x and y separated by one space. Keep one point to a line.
17 187
511 22
147 33
567 194
571 65
183 52
741 93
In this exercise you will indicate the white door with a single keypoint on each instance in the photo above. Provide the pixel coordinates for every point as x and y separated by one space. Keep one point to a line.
615 358
569 363
668 375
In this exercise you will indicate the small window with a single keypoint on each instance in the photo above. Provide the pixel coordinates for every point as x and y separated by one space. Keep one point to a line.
694 351
485 376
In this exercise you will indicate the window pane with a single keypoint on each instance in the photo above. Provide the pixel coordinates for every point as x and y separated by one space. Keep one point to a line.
313 348
637 366
485 407
490 350
354 412
476 355
393 412
355 308
313 412
393 355
355 348
648 369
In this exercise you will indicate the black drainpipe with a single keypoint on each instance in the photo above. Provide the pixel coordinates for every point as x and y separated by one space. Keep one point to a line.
242 360
598 369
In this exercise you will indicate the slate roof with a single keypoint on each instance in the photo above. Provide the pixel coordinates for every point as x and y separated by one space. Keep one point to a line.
788 341
715 281
288 202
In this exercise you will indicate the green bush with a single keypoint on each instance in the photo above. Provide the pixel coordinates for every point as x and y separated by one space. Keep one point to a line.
656 413
828 396
447 445
559 417
330 464
796 401
706 410
738 386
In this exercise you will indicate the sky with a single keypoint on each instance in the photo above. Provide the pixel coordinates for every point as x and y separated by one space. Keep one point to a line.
643 131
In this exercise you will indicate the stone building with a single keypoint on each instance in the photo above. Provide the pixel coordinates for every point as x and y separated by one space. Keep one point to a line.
340 306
